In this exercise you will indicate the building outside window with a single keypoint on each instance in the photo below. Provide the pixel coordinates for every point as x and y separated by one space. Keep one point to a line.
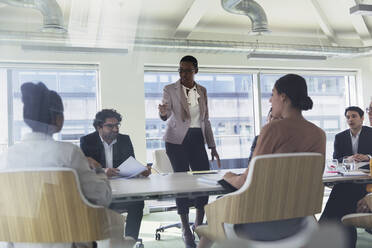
232 102
329 97
77 87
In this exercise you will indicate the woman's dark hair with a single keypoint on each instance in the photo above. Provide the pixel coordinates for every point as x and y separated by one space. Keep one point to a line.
102 115
41 106
294 86
191 59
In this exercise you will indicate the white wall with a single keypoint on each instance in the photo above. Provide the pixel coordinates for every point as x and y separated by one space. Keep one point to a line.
121 77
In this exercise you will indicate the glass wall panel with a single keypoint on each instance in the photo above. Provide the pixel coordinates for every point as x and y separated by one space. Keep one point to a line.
230 103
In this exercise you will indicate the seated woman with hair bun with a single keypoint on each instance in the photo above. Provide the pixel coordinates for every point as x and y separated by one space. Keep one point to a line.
43 113
292 133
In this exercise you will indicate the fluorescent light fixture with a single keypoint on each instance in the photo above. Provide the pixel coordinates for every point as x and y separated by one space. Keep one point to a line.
285 56
361 9
74 49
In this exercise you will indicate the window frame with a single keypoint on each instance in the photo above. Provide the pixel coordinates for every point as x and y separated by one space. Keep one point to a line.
10 66
351 81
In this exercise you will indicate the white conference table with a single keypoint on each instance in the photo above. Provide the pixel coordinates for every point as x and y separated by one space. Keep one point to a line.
165 185
183 184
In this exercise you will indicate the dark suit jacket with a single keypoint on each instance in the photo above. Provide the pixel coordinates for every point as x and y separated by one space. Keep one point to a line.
343 147
92 146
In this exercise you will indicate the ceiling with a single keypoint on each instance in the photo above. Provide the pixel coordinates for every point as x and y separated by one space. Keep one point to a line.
115 23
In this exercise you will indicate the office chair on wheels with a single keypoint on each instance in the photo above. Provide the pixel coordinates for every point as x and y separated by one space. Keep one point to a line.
162 165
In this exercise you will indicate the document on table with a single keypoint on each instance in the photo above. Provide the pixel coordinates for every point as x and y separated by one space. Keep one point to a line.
211 179
131 168
364 165
353 173
331 174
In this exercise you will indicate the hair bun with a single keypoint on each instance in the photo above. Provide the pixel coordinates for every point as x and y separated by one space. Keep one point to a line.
306 103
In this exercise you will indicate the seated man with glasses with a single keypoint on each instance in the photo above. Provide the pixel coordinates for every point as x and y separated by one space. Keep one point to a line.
106 149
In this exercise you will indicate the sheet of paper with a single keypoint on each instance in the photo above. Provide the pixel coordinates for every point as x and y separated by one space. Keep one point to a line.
131 168
210 179
361 164
331 174
353 173
202 172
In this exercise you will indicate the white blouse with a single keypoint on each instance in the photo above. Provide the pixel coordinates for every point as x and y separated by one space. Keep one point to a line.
192 97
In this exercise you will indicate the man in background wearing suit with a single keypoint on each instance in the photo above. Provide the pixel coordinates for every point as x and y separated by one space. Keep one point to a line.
106 148
354 144
369 112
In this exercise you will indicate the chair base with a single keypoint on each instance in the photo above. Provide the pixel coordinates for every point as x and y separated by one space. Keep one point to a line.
163 228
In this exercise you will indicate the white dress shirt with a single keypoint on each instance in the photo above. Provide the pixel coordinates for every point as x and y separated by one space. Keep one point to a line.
38 150
355 141
192 97
108 152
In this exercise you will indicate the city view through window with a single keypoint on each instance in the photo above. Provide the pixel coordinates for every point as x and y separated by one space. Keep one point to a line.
78 89
232 105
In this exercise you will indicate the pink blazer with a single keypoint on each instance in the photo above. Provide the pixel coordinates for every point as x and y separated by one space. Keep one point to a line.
178 114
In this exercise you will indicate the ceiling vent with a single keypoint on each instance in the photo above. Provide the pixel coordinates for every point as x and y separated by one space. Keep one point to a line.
251 9
52 14
361 9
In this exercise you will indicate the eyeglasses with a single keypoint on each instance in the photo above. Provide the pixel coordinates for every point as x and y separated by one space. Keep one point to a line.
111 126
180 70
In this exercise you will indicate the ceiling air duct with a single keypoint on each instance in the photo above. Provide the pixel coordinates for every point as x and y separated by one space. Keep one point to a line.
251 9
52 14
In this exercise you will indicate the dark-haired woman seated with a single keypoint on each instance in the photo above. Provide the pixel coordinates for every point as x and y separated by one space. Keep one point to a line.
43 113
290 134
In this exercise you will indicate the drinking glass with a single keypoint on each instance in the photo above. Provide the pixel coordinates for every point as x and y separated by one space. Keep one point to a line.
332 164
348 164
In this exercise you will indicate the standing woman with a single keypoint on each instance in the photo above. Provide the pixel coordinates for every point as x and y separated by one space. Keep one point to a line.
188 129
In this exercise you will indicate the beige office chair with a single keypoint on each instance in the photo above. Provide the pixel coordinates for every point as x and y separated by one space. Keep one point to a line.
361 220
161 162
47 206
278 187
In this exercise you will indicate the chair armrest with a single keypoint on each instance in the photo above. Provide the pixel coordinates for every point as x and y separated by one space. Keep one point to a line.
368 198
363 220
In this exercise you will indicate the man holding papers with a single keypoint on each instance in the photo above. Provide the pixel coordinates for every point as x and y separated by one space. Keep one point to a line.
106 148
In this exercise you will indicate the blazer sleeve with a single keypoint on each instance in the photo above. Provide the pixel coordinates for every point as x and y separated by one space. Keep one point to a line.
208 128
337 153
166 100
84 146
130 148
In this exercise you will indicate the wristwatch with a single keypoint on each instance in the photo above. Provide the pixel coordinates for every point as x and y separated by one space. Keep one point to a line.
99 170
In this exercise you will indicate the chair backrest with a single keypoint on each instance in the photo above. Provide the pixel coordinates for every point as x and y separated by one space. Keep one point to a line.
161 161
46 206
278 186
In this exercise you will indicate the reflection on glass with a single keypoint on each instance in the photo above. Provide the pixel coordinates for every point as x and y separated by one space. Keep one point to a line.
78 89
328 94
230 103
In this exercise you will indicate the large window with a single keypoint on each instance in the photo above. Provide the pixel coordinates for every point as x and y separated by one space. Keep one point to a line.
235 98
230 104
329 96
77 87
